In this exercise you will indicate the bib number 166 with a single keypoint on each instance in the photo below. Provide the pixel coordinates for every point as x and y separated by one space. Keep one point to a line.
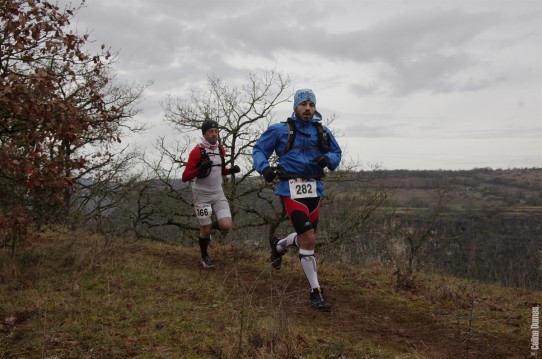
203 211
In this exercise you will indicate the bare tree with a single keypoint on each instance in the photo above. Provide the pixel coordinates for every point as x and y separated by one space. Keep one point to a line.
95 200
352 212
408 235
242 113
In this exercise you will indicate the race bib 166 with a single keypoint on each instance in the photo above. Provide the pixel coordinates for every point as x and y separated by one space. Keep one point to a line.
203 210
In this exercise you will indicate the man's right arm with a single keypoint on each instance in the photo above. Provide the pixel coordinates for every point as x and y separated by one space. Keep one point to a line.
191 170
263 149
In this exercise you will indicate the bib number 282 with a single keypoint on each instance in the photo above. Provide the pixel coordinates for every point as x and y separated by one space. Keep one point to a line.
300 188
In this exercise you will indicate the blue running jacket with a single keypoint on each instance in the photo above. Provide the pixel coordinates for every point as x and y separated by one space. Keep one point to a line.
301 158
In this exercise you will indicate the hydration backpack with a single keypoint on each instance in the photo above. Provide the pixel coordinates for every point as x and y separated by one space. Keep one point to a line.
323 136
204 156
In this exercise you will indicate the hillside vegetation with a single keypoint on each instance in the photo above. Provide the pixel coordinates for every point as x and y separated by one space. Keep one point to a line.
75 295
488 228
482 189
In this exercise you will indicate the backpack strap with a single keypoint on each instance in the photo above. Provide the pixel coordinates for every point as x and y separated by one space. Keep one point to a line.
292 130
323 136
222 152
205 156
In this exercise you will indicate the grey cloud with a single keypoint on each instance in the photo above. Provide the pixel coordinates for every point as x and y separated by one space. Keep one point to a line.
383 49
502 133
381 126
362 90
424 49
377 125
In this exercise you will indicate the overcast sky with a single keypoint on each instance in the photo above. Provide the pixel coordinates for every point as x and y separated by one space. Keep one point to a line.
436 84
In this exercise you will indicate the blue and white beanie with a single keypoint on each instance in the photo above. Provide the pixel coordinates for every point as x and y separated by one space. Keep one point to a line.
304 95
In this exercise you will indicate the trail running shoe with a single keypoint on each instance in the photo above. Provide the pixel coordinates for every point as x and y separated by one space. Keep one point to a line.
276 256
317 300
207 263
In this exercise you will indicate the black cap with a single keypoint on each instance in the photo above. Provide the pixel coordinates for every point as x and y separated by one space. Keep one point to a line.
207 124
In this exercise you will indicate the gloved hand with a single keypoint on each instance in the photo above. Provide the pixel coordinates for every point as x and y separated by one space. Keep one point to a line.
269 174
204 167
235 169
322 161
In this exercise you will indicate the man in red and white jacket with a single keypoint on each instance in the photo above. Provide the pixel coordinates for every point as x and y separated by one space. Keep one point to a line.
206 166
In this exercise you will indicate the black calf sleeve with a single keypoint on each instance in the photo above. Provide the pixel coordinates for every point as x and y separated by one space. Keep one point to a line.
203 245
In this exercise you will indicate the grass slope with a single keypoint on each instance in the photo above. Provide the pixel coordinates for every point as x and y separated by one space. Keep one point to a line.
72 295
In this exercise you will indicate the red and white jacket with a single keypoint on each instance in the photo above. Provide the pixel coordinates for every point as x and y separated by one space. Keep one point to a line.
213 181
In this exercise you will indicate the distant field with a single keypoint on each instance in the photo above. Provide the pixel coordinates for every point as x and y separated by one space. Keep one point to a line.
479 188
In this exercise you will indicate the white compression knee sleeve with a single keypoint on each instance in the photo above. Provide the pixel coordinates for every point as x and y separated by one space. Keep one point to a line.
288 241
308 263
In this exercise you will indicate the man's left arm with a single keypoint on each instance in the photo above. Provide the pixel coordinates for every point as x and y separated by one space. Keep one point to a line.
228 170
231 170
334 154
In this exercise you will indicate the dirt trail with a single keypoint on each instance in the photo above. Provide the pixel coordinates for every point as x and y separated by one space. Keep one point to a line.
384 322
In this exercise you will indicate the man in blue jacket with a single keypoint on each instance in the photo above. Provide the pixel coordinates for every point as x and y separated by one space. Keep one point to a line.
304 148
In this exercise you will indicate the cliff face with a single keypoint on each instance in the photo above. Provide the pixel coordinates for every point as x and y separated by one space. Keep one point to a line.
499 247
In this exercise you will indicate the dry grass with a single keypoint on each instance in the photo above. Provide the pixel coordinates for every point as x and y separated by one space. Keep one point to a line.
73 295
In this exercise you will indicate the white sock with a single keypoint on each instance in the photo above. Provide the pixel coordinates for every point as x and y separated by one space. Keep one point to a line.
288 241
308 263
